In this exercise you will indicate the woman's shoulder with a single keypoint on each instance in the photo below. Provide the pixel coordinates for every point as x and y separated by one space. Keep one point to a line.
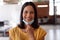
13 29
42 29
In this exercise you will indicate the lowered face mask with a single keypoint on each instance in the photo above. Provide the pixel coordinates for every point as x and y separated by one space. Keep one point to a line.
28 22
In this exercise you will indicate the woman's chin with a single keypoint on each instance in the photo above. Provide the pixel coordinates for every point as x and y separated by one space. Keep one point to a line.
28 21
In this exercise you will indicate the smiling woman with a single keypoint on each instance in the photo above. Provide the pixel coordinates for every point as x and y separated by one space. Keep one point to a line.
28 29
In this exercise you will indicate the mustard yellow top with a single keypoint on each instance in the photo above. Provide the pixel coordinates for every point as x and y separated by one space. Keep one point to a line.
17 34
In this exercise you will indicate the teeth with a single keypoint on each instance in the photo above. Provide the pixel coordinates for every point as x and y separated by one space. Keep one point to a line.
28 18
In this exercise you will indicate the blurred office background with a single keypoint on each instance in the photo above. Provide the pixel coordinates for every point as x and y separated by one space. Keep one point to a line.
48 16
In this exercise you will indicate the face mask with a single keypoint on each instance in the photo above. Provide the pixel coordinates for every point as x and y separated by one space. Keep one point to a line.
28 22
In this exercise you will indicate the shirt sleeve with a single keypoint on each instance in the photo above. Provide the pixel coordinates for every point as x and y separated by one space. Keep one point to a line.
42 34
11 34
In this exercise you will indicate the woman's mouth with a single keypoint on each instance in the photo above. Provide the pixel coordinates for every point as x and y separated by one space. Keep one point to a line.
28 19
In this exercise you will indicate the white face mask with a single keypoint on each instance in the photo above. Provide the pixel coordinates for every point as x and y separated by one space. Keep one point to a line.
28 22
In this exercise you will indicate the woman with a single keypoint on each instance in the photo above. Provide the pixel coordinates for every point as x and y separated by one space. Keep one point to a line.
28 29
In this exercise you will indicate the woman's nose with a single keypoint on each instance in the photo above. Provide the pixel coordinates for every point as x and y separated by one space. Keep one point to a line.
28 15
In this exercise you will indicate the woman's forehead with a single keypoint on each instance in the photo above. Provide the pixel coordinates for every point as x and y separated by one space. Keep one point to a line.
29 8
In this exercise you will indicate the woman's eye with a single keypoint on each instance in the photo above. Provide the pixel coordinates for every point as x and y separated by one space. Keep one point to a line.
26 12
31 12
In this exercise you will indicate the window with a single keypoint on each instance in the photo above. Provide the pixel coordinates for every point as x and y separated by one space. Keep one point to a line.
51 8
1 2
57 4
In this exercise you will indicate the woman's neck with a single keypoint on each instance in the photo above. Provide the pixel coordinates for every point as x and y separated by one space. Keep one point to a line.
27 26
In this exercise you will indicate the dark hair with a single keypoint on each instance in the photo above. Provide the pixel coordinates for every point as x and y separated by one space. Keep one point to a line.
35 23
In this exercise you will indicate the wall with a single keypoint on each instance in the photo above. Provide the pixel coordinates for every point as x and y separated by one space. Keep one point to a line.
10 13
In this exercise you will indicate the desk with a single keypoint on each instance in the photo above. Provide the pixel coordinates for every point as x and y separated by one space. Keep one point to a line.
3 30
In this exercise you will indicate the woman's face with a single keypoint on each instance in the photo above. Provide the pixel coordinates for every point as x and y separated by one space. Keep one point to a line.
28 13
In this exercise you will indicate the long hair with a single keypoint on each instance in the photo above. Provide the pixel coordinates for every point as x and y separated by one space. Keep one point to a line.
35 23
